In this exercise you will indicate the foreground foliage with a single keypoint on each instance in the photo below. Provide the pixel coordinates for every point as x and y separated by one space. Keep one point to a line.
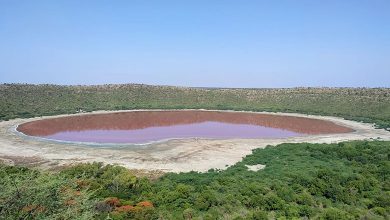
350 180
362 104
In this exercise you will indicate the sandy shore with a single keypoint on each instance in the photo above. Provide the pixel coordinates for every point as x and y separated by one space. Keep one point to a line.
169 156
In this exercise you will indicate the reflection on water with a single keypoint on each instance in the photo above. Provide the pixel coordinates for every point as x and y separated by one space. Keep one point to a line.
145 126
203 129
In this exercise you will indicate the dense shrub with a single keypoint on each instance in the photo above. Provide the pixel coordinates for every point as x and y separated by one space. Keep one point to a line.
360 104
349 180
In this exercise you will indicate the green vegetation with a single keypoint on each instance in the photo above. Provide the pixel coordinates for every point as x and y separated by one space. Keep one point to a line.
349 180
362 104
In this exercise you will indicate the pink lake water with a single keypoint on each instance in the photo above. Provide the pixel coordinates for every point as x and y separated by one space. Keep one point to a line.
148 126
214 130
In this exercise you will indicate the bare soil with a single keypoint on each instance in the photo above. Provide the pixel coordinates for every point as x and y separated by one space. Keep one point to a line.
179 155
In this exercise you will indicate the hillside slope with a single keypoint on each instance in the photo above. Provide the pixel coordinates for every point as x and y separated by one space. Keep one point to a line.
24 100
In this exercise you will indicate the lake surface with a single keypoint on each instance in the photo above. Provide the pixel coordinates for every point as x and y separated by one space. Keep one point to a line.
148 126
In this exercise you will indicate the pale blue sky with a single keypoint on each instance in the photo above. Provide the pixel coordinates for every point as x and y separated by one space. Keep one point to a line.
230 43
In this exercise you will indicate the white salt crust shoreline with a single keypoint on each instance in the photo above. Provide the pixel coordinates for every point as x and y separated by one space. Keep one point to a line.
176 155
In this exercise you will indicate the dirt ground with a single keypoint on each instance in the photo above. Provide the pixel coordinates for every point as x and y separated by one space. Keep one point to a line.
179 155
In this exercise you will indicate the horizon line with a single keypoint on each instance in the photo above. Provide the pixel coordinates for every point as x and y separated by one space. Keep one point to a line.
195 87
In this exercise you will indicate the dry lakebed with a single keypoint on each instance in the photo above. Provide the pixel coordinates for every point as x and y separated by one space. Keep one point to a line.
166 140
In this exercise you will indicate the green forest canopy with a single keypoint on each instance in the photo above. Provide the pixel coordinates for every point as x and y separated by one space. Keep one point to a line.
349 180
